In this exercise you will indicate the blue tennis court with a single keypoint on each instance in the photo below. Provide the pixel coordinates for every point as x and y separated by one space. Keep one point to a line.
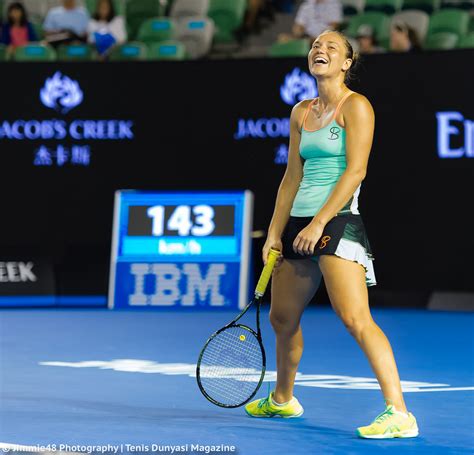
97 377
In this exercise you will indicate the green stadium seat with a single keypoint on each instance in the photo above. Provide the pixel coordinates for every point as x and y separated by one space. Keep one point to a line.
227 16
380 23
293 48
167 50
441 40
75 52
450 21
119 6
428 6
384 6
38 28
352 7
3 52
156 29
35 52
466 41
138 11
129 51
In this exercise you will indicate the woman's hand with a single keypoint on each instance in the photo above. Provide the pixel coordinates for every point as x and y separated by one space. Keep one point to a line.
276 245
307 239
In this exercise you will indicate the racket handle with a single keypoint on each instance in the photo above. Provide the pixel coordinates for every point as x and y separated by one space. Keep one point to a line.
266 272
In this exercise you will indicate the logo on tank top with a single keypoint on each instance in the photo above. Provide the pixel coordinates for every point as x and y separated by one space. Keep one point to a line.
324 241
335 130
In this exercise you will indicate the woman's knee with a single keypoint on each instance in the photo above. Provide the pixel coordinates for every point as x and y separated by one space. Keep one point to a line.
355 323
283 322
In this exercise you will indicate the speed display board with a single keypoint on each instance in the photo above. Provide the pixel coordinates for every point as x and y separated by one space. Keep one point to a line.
173 249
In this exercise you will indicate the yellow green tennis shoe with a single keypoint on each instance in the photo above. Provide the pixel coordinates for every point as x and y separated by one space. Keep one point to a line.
266 407
390 424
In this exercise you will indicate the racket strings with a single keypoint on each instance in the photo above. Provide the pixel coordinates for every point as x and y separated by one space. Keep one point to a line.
231 366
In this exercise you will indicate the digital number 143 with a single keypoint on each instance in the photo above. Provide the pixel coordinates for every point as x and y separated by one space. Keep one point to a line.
180 220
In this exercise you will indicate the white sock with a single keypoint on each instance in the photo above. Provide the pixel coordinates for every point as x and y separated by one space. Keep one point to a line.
279 404
404 414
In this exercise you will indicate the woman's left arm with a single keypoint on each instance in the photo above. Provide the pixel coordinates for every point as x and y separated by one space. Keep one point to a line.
359 123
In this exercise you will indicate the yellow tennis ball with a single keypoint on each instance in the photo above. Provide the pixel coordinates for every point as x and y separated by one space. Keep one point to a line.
242 337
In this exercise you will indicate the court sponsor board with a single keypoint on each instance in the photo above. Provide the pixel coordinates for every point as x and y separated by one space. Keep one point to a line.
185 250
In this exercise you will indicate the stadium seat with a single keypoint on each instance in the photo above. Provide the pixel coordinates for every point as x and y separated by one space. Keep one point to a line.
196 33
3 52
449 20
34 52
186 8
129 51
428 6
384 6
380 22
351 7
293 48
38 28
417 20
227 16
167 50
441 40
119 6
138 11
75 52
466 41
156 29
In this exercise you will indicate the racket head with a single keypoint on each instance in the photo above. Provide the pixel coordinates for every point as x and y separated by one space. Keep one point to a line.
231 366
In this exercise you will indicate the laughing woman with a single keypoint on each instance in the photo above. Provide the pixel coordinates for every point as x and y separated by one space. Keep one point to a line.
317 226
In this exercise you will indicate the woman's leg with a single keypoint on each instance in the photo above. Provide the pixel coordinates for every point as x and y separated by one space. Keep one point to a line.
294 284
345 284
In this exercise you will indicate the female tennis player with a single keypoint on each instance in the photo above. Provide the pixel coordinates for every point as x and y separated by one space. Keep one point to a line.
317 226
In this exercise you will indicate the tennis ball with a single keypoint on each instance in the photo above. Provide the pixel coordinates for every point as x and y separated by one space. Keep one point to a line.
242 337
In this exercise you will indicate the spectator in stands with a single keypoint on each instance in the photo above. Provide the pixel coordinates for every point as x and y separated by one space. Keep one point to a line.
367 41
66 24
313 17
403 38
106 29
17 31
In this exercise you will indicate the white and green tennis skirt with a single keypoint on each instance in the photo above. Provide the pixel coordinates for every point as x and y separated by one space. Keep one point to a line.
344 236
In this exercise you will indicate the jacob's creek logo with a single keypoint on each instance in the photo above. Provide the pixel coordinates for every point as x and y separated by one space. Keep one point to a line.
62 94
17 272
297 85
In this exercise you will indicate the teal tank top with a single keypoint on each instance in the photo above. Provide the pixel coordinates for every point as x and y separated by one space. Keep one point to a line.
324 154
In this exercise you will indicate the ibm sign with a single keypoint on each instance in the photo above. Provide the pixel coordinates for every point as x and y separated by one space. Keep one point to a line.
180 250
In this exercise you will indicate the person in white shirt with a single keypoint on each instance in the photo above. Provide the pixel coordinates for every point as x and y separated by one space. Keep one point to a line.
313 17
67 22
106 22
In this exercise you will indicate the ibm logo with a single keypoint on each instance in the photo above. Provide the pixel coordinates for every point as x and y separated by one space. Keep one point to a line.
173 284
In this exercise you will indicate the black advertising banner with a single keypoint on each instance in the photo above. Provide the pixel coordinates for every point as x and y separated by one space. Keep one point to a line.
71 134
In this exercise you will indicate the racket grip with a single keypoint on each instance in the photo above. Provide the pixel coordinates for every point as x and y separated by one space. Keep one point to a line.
266 272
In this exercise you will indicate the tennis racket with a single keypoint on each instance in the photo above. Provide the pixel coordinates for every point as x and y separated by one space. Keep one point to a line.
231 366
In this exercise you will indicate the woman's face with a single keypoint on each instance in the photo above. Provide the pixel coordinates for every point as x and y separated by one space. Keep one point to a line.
104 9
327 56
15 15
398 39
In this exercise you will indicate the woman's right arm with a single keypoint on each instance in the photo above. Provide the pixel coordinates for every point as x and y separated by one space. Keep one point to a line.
289 184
